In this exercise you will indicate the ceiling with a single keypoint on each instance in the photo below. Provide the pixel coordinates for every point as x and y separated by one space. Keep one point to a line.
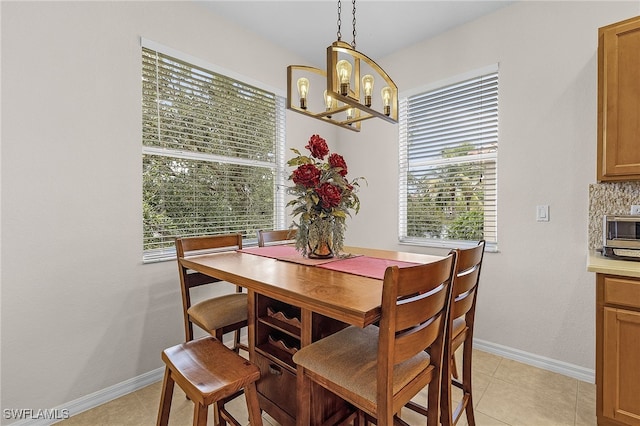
308 27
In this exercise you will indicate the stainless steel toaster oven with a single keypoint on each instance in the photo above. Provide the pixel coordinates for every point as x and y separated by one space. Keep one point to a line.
621 237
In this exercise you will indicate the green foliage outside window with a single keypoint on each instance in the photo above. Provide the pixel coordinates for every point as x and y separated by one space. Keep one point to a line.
209 153
447 201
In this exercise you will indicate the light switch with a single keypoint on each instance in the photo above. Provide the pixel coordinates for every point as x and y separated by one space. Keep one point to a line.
542 213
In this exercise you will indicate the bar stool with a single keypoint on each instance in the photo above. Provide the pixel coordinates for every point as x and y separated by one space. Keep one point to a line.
379 369
208 372
216 315
460 333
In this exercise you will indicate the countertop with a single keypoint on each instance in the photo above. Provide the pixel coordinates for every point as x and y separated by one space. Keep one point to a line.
605 265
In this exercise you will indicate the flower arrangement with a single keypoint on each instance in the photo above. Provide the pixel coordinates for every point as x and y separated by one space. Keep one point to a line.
323 198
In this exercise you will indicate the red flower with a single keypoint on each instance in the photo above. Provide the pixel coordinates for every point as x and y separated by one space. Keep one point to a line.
318 147
330 195
335 161
307 175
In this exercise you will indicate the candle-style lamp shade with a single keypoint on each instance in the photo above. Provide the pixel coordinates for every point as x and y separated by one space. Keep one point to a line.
367 85
303 90
344 69
386 94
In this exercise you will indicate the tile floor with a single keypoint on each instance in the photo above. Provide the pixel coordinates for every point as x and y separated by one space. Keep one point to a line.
506 392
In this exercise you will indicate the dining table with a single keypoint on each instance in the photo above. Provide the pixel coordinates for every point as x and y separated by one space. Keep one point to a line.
294 301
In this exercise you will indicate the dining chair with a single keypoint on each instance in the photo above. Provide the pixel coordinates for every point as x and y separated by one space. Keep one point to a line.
379 369
209 373
460 328
276 236
217 315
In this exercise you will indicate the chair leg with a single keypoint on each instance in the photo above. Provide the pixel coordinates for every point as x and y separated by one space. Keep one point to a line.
471 419
199 414
466 380
218 420
236 340
218 334
253 406
188 330
433 396
165 399
446 403
454 368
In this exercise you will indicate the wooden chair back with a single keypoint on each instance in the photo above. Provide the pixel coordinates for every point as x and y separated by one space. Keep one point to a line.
465 288
415 309
188 279
272 236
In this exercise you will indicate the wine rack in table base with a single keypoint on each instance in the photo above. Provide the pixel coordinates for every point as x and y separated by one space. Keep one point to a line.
278 335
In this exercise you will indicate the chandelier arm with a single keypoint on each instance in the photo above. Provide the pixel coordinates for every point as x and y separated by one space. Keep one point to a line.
353 43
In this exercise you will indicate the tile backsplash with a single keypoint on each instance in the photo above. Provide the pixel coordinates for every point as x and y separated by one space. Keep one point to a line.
607 199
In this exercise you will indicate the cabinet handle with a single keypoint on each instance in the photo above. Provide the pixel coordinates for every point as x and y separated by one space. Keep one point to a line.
275 370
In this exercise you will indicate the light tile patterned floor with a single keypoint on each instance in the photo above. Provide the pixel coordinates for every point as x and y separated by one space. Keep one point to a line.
505 392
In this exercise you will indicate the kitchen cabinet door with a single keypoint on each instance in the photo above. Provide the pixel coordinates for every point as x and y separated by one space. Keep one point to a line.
619 101
621 366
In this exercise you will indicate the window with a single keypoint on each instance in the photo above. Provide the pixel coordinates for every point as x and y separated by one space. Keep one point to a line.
448 163
212 154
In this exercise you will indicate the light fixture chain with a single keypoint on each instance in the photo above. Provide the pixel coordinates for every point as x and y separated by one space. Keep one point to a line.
354 25
339 20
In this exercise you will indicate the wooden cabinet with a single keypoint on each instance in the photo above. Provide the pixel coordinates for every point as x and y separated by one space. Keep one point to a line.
619 101
281 329
618 350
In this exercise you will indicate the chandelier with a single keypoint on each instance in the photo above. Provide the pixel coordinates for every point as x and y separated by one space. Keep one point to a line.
352 89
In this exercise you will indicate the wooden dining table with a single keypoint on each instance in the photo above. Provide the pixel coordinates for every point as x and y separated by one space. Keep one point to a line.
296 301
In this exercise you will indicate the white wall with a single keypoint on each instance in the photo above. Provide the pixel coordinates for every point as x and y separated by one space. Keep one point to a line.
81 313
536 295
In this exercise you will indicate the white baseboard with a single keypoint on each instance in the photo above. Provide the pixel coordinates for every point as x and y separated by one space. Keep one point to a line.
561 367
90 401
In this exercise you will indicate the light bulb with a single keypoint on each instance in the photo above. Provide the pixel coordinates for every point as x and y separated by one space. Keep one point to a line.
303 89
344 74
328 102
367 84
386 99
349 113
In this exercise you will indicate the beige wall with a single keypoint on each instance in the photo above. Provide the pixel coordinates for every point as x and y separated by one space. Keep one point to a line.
80 312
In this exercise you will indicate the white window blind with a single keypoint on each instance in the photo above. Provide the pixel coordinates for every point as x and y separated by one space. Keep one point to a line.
448 163
212 154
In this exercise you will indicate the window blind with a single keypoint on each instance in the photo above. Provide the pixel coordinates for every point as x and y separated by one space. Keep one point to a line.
448 163
212 154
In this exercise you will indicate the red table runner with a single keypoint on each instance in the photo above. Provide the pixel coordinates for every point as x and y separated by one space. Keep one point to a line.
366 266
286 253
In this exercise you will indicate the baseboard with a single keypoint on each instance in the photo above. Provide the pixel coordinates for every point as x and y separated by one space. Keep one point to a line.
570 370
49 417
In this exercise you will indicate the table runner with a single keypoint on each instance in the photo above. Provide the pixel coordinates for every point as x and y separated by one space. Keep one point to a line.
372 267
287 253
366 266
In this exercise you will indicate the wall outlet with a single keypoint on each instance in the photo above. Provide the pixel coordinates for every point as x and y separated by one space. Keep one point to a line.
635 210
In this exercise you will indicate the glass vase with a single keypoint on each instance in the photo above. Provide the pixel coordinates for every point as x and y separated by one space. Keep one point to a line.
320 239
